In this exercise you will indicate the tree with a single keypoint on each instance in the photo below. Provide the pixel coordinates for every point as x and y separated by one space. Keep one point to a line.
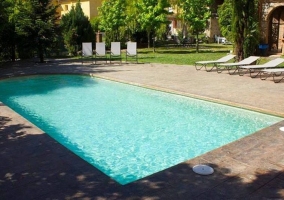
131 19
4 22
95 22
8 36
196 13
245 27
76 28
36 23
152 14
225 19
112 18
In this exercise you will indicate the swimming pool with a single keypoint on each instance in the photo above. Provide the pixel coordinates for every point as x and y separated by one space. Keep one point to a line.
125 131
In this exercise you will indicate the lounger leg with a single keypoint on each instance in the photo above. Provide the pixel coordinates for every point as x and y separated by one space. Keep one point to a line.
262 77
252 71
202 65
242 72
280 73
209 70
279 80
229 70
219 70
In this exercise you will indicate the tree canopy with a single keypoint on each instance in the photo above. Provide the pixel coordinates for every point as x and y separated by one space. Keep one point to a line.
8 36
152 14
76 28
196 14
112 19
36 23
245 28
31 26
225 19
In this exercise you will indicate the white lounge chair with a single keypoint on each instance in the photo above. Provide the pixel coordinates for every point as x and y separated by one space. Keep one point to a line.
131 50
87 50
115 51
255 70
100 51
214 63
235 66
276 72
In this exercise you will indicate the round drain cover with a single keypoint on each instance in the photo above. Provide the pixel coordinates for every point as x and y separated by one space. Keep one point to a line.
203 169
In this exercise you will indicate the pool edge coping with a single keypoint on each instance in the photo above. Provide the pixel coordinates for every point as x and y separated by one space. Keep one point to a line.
152 87
214 100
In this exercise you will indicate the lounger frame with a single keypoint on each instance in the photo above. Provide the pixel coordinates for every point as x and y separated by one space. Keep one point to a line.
131 51
277 72
100 51
115 51
87 51
256 70
234 67
214 63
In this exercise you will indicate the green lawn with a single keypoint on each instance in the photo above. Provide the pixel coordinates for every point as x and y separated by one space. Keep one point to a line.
185 55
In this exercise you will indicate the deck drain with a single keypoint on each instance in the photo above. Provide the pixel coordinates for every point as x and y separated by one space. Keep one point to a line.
203 169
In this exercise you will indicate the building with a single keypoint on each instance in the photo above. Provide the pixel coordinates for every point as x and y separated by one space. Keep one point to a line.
271 20
272 24
213 29
89 7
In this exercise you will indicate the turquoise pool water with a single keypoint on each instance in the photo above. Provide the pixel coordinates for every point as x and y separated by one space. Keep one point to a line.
125 131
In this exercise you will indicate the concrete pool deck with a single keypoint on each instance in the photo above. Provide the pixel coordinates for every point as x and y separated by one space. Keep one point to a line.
34 166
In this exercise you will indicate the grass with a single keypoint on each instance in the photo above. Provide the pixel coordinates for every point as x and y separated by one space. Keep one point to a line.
183 55
187 55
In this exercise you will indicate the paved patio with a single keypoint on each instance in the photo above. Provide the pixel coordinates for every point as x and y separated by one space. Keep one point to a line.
34 166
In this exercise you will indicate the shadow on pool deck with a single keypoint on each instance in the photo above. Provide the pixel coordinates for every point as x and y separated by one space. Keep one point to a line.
34 166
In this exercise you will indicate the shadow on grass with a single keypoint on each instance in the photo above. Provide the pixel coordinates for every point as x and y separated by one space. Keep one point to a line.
34 166
182 51
192 51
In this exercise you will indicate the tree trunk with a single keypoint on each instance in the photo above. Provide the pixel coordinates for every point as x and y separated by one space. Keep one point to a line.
40 52
197 43
149 39
245 34
13 45
239 52
13 52
238 28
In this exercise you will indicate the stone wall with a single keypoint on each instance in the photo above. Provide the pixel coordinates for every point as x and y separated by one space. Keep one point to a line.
266 9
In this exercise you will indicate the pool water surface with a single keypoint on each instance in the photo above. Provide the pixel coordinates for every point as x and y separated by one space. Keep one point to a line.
125 131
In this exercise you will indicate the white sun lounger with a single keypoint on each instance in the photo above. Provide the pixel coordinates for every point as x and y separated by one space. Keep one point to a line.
235 66
131 50
257 69
100 51
276 72
115 51
214 63
87 51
